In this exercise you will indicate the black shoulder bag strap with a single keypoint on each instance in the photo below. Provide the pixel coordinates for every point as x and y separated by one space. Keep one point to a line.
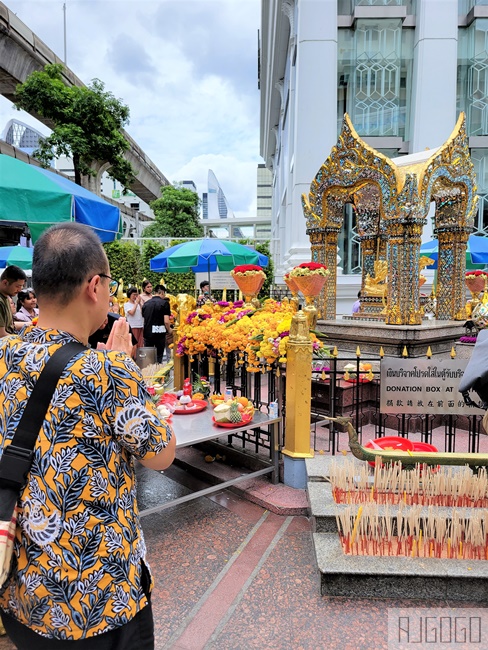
16 459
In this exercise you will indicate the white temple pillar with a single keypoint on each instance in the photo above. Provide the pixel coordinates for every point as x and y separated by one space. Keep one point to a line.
314 130
433 111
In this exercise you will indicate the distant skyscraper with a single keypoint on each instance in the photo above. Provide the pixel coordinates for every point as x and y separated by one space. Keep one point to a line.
189 185
21 136
214 203
264 191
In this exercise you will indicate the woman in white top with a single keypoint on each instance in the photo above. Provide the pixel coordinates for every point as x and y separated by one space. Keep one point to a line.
133 313
27 306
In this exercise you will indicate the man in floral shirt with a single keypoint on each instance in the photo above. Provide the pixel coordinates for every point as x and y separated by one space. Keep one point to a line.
80 580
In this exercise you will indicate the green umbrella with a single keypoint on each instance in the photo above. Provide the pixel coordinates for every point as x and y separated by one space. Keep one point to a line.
206 255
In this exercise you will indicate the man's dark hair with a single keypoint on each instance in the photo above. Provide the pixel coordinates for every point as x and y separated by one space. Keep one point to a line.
145 283
160 288
204 283
66 256
13 274
132 290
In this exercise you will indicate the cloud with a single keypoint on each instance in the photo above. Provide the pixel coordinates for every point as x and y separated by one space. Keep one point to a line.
187 69
130 60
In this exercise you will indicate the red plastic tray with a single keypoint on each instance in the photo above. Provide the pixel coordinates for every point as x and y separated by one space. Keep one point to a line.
200 405
231 425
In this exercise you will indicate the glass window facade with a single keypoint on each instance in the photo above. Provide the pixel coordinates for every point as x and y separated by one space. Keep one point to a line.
472 79
374 77
466 5
480 161
347 6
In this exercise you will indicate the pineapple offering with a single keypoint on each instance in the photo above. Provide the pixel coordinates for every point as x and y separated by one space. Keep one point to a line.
236 410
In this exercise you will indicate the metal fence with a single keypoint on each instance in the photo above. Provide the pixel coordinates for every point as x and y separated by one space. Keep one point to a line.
360 401
333 396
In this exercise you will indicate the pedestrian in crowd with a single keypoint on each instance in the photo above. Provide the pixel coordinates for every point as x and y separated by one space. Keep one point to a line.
114 306
27 306
205 295
12 281
133 313
357 304
156 313
147 291
80 578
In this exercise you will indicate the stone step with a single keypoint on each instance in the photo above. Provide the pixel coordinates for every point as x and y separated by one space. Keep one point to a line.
397 577
384 577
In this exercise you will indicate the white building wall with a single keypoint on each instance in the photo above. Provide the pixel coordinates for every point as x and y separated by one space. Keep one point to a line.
299 104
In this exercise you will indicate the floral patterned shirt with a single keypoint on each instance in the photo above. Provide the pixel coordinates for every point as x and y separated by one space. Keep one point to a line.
79 546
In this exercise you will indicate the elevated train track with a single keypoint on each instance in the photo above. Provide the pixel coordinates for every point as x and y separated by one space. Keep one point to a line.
21 53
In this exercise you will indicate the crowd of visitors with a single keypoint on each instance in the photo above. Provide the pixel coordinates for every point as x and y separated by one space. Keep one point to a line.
147 313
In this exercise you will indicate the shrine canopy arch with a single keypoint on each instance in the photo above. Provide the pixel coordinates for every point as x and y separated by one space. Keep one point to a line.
449 180
353 173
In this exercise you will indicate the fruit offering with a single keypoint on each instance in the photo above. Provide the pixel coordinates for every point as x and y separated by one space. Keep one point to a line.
185 401
234 410
365 372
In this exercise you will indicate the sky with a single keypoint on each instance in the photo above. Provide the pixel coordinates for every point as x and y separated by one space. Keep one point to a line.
187 69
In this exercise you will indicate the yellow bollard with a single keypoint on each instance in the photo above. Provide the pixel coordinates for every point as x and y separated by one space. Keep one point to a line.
298 389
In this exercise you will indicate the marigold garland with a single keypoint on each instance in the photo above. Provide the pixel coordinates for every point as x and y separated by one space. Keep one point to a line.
475 274
309 268
228 327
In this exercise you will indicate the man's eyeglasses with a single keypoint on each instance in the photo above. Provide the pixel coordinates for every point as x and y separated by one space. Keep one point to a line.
113 285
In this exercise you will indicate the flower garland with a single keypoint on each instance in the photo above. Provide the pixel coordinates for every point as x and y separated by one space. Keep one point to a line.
260 334
475 274
248 270
309 268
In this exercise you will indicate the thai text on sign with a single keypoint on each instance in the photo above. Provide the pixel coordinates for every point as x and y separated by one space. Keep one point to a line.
423 386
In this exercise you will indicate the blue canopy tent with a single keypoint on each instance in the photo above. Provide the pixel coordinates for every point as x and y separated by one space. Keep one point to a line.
41 198
476 252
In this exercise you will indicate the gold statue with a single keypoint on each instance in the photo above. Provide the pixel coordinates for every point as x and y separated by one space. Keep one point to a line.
377 285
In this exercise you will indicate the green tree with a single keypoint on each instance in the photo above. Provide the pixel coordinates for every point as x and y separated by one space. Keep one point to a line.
177 214
125 262
86 123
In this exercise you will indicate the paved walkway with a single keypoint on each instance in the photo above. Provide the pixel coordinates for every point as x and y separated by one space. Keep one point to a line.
231 575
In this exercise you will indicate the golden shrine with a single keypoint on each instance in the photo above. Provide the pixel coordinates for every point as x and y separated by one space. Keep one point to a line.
391 202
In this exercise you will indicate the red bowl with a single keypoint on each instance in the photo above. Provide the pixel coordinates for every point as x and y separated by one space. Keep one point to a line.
424 446
393 443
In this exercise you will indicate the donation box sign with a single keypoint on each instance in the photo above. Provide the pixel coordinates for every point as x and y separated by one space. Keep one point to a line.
424 386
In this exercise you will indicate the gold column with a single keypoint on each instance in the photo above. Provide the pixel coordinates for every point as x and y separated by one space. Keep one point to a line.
328 311
185 304
451 268
298 389
178 368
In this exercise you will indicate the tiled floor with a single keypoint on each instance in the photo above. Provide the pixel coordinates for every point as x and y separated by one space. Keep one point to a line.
231 575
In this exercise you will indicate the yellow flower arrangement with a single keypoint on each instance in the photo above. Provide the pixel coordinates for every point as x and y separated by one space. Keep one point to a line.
309 268
260 334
